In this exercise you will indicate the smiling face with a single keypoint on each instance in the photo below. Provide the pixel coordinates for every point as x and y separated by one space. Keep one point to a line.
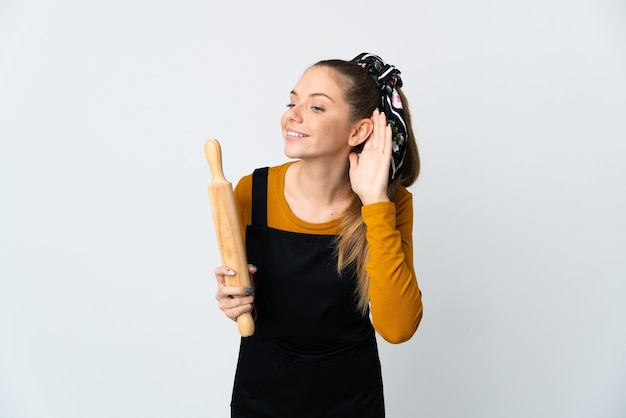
317 123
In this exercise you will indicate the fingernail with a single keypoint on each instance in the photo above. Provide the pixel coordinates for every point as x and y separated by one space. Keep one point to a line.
248 290
230 272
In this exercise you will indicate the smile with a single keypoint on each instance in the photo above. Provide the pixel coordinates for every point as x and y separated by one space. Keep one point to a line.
296 134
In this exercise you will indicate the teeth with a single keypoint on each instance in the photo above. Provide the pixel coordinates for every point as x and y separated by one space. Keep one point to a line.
292 133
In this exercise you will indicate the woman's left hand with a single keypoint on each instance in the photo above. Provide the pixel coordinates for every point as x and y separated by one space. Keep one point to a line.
369 170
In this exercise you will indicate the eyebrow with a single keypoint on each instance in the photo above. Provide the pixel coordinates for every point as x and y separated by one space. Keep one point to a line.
314 95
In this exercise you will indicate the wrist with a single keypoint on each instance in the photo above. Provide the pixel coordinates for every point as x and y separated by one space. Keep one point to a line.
370 200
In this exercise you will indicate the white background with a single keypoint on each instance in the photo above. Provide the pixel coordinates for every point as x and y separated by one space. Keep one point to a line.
106 238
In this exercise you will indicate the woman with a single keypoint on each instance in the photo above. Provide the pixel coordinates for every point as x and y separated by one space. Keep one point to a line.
329 239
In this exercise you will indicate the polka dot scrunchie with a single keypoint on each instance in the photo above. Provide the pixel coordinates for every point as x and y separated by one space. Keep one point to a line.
387 77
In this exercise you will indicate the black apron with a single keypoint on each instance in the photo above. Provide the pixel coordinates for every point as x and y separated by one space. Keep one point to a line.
312 354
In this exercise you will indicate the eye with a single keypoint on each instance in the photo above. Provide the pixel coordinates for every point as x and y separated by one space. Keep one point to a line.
317 109
290 105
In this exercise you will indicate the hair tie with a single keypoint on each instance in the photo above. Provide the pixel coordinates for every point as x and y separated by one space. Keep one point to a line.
387 77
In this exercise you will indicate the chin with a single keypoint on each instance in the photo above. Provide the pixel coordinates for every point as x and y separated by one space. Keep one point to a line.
291 151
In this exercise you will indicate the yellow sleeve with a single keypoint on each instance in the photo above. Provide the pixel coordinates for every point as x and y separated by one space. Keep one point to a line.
395 297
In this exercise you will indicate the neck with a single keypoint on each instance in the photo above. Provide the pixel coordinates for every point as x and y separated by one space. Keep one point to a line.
317 193
321 181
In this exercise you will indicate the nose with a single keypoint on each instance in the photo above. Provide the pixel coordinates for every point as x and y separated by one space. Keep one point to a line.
293 113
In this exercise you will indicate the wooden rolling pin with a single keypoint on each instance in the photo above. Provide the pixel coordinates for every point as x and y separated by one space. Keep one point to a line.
227 229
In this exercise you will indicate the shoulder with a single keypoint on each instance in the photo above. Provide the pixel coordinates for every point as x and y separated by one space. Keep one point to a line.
243 189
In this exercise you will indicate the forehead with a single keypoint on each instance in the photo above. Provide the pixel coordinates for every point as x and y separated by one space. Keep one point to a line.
320 79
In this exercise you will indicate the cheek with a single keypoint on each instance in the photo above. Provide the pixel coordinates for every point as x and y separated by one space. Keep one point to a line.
340 129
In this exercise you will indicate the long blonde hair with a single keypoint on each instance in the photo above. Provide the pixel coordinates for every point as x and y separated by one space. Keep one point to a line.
363 96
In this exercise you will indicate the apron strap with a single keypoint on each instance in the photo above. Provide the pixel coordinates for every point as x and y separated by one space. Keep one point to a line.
259 196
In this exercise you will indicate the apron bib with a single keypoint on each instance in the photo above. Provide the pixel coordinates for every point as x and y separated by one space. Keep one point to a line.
312 353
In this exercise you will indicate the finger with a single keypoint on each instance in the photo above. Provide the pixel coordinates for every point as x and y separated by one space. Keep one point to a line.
378 131
232 308
231 292
221 273
230 303
224 271
372 141
388 139
234 313
382 129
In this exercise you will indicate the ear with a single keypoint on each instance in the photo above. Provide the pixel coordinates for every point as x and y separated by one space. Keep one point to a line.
362 130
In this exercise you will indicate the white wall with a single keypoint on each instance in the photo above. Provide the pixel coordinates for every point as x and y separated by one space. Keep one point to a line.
106 240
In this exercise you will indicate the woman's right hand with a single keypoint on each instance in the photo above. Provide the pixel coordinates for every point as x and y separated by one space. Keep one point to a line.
233 300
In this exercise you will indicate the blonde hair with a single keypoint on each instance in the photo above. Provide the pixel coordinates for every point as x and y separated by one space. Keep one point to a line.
351 247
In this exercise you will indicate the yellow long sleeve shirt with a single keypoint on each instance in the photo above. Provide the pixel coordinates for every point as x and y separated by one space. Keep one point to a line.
395 297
